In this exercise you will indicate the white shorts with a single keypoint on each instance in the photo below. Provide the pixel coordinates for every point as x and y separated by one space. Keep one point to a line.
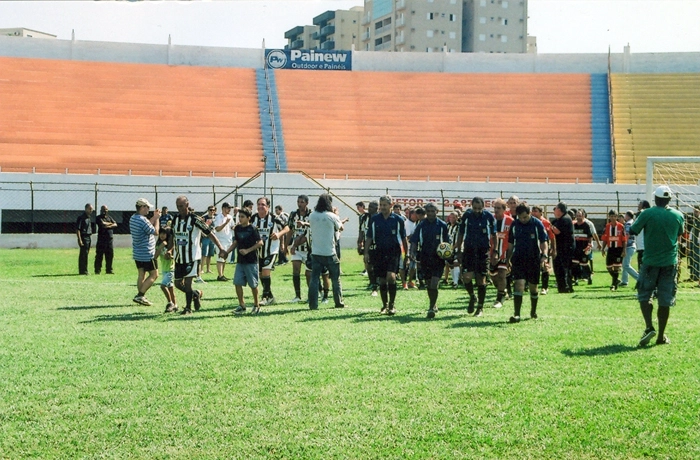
300 255
167 280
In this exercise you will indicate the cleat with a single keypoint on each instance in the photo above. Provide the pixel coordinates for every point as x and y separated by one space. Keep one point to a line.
646 337
663 340
479 312
239 310
497 305
384 310
431 312
514 319
170 308
197 299
186 311
392 311
296 300
543 292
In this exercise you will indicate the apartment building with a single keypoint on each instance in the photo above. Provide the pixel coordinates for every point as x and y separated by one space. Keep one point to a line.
332 30
23 32
495 26
301 38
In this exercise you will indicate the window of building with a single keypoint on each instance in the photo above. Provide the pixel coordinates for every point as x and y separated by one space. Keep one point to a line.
453 35
453 2
504 39
453 18
483 3
428 50
482 37
482 20
430 33
505 4
504 22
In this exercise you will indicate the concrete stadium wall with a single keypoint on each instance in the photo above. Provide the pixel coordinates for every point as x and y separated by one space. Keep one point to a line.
65 191
362 60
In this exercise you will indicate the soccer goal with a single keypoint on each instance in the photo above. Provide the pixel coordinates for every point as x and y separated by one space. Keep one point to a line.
682 175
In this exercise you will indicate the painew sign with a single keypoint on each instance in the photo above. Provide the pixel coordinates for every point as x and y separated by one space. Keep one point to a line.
308 59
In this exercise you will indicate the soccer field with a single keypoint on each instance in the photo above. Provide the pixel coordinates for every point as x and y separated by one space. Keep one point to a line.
86 373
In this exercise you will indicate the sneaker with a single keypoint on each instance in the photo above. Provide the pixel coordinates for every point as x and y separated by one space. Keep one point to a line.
647 336
479 312
324 300
197 299
142 300
340 305
590 281
663 340
455 286
186 311
514 319
170 308
533 315
269 301
256 310
296 300
497 304
199 280
613 288
431 312
222 278
384 310
392 310
543 292
374 293
364 273
470 308
623 285
239 310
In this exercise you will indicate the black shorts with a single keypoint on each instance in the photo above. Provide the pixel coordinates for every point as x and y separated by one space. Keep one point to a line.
186 270
147 266
614 257
580 257
476 260
267 263
431 267
526 269
310 264
384 263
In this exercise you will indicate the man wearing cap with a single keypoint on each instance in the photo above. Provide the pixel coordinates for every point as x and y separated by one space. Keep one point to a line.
83 230
143 242
223 225
663 227
105 237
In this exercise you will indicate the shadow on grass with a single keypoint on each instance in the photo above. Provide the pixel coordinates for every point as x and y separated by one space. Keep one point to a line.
345 316
480 324
124 317
59 274
602 351
93 307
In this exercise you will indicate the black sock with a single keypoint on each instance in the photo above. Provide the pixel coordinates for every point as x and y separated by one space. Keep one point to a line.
296 279
392 293
383 293
614 277
325 292
545 279
517 302
266 281
509 283
432 297
481 292
533 303
469 285
500 296
188 297
141 294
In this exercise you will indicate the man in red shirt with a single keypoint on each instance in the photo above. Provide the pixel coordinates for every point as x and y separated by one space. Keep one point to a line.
498 267
614 240
538 213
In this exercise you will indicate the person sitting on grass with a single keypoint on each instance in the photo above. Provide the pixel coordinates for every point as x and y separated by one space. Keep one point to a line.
246 239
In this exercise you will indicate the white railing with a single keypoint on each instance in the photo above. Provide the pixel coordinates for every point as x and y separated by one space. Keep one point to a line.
271 110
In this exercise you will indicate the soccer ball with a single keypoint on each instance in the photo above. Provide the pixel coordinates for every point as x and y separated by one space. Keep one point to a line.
444 250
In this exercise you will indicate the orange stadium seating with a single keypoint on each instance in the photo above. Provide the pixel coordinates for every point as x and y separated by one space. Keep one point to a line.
653 115
381 125
86 116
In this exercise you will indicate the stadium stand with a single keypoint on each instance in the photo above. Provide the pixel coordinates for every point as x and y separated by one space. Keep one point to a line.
380 125
142 118
653 115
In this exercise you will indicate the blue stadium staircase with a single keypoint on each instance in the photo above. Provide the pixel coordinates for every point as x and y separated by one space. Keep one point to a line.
270 121
600 129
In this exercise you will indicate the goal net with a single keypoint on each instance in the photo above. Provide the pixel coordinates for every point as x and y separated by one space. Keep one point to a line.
682 175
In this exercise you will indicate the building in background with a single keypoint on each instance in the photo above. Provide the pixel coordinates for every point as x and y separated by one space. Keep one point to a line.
332 30
23 32
301 38
495 26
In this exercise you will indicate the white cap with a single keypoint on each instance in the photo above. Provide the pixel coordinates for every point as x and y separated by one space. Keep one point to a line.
143 202
663 191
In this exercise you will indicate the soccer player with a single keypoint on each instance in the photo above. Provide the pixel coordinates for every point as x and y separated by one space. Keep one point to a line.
450 265
563 228
223 225
425 241
614 240
512 203
594 232
477 232
188 229
498 267
362 242
363 219
537 212
384 233
271 229
297 226
396 209
143 243
582 246
527 255
410 224
663 228
420 216
284 249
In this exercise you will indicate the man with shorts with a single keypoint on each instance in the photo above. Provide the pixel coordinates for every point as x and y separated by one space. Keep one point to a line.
143 242
499 268
284 247
663 228
208 246
538 213
297 226
223 226
527 255
582 247
615 241
362 242
384 233
477 232
424 244
271 229
188 229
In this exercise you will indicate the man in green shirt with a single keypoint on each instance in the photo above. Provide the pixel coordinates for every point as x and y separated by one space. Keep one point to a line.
662 227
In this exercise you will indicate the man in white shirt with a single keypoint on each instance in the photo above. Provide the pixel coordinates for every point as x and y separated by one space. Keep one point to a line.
323 225
223 225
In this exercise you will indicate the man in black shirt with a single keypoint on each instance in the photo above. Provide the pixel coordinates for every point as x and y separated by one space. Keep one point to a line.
105 236
83 230
563 228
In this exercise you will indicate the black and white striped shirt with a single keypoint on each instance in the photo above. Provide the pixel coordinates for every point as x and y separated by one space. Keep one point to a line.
187 233
266 227
299 230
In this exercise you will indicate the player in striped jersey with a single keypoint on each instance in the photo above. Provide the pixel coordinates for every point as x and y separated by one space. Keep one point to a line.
271 229
188 229
614 240
450 266
582 241
538 213
297 226
499 267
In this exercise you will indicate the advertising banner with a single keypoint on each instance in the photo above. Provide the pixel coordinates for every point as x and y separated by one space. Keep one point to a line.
308 59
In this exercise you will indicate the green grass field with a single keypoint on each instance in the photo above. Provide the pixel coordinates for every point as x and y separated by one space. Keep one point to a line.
86 373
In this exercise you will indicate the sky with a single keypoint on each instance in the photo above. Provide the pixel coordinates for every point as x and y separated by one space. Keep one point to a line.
561 26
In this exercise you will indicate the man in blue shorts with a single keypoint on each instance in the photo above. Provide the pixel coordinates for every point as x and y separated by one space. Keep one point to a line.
386 233
426 238
527 255
663 228
143 240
